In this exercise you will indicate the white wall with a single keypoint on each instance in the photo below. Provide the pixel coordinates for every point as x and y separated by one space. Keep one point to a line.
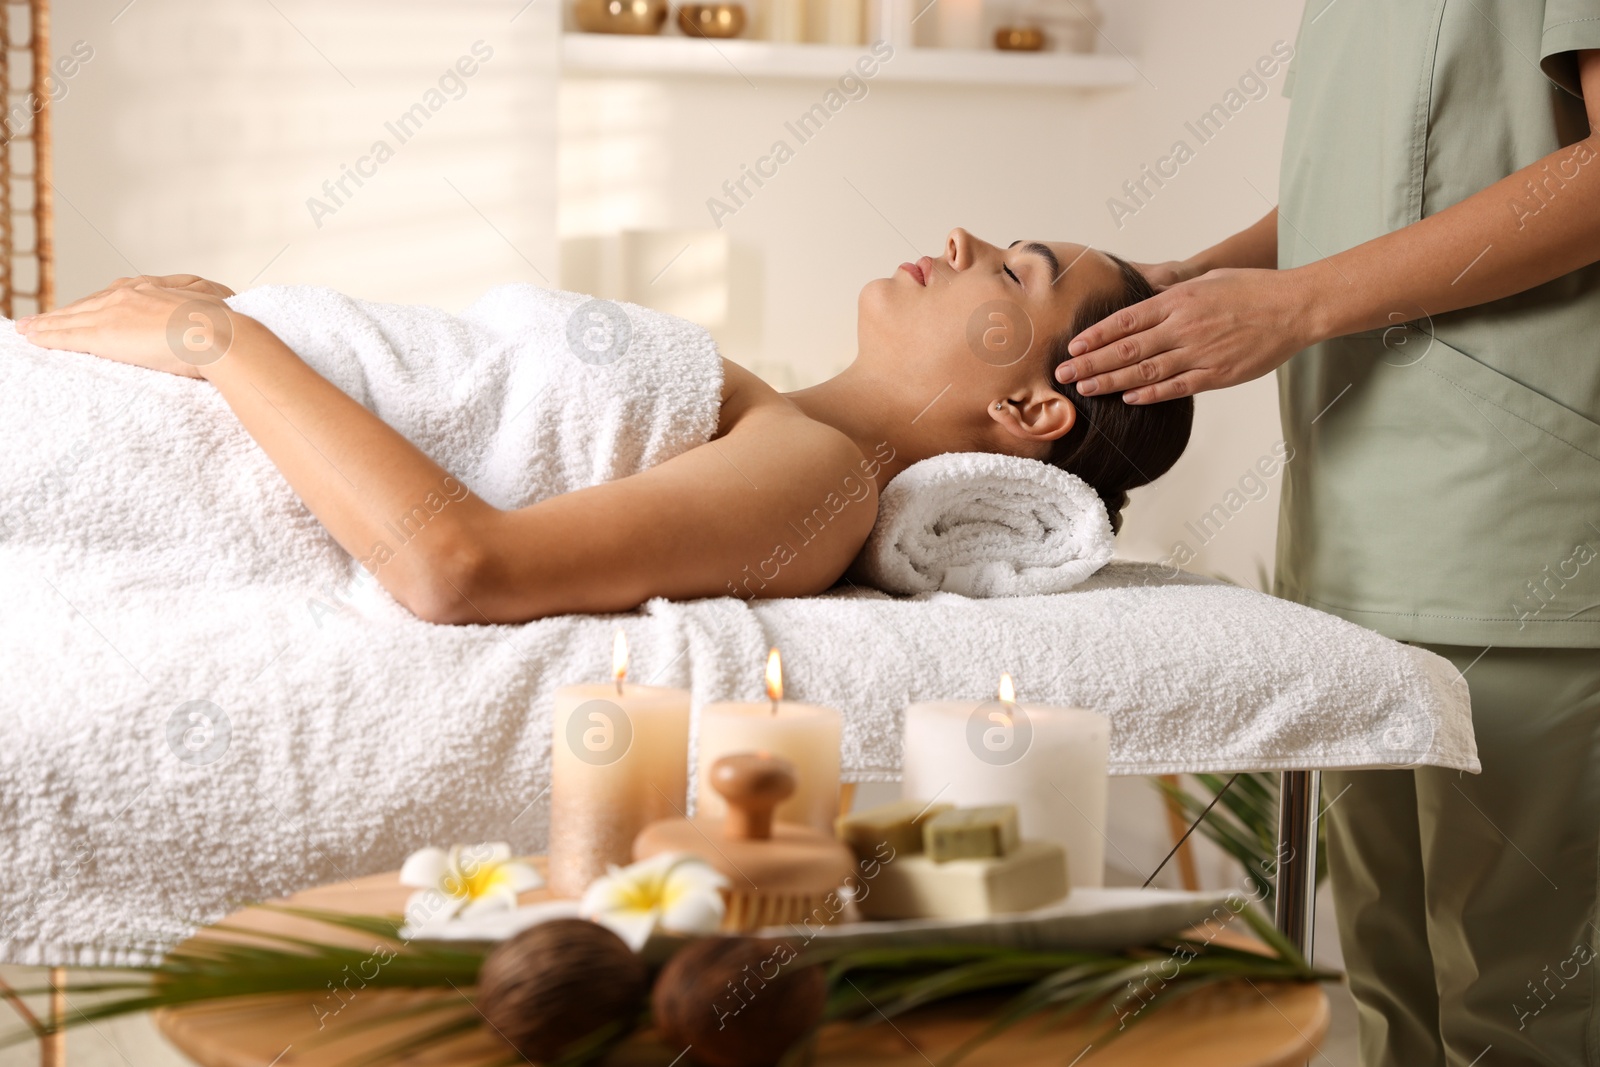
195 136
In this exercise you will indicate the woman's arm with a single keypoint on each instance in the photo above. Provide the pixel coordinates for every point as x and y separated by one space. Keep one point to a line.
1230 326
352 470
695 526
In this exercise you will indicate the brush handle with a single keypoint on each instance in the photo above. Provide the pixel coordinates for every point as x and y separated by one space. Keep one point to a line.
753 784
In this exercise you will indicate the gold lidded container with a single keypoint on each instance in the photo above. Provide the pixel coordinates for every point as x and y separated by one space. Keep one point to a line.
712 20
641 17
1019 39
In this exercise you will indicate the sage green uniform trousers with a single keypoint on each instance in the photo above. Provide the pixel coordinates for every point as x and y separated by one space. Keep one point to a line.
1467 903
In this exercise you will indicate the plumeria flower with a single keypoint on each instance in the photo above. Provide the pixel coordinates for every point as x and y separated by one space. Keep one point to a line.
466 881
675 892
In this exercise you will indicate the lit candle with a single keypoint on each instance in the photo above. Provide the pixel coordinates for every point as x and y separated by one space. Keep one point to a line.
619 760
804 734
1048 761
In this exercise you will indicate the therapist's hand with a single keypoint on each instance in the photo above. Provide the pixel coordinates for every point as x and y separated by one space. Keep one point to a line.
1210 332
1162 275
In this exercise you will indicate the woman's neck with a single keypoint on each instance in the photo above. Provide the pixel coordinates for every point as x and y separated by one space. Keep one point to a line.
873 411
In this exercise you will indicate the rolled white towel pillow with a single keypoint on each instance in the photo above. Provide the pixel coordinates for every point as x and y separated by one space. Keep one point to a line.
984 525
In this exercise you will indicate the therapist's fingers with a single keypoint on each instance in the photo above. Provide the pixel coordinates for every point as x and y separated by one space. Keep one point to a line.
1129 320
1118 340
1186 384
1165 362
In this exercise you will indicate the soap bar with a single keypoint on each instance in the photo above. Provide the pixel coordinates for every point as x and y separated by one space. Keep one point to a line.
897 824
915 887
971 833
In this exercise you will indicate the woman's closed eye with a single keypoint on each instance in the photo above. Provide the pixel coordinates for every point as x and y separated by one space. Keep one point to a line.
1011 273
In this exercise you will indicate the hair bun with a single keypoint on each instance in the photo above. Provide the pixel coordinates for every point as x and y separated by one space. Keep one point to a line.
1115 501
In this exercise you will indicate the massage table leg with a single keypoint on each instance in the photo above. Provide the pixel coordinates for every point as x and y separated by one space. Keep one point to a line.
1299 794
53 1049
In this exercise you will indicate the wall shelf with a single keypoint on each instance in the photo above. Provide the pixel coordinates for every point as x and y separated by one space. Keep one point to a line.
618 55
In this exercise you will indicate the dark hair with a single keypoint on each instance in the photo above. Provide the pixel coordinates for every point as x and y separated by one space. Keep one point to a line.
1116 446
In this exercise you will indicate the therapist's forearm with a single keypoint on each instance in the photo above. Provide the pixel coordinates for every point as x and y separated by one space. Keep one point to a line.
1502 240
1255 246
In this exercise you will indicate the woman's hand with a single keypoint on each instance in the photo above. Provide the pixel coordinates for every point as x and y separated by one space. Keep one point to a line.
177 330
1217 330
190 282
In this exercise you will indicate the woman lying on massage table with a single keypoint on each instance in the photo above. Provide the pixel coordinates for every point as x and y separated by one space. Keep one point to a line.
956 354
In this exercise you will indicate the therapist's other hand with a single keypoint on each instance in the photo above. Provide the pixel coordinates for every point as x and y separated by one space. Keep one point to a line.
1210 332
1162 275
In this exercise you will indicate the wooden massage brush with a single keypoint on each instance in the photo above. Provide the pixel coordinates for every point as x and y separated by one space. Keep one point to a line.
778 872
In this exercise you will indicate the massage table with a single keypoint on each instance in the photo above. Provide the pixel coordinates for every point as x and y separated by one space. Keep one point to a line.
346 743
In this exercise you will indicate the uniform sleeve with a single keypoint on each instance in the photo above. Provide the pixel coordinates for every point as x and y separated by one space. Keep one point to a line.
1570 26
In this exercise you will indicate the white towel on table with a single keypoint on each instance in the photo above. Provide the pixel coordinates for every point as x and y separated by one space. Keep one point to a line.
982 524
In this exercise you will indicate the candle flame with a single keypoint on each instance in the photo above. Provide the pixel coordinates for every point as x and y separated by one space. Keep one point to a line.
1008 691
619 657
774 677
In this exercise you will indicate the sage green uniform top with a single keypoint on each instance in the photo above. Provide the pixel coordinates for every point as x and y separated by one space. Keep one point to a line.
1444 484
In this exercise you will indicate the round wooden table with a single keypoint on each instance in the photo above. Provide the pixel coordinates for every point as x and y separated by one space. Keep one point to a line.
1234 1024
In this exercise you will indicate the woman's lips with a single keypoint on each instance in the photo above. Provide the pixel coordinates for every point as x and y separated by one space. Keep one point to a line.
916 270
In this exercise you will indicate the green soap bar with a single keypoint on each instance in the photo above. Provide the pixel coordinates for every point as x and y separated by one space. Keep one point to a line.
1034 875
897 824
971 833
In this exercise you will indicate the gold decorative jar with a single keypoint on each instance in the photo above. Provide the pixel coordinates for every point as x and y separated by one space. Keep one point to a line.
711 20
1019 39
620 16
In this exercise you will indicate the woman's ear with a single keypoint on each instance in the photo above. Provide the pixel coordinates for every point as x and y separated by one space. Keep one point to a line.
1040 416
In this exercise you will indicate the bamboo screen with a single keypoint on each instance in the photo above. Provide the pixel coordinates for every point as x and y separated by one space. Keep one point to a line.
27 268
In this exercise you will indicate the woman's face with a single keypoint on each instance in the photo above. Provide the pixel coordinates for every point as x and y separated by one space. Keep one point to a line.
972 327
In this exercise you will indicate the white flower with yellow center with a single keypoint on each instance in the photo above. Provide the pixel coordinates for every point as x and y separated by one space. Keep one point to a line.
467 881
675 892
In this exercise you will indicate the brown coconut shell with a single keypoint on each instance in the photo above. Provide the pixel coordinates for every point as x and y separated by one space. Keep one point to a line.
738 1001
559 982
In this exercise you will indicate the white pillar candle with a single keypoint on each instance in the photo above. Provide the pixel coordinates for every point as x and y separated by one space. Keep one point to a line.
1051 762
619 760
806 735
960 23
890 20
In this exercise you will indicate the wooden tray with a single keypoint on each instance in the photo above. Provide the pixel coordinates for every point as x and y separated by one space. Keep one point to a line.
1237 1024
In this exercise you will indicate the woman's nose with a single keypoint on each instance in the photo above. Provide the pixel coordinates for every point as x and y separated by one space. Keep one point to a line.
958 250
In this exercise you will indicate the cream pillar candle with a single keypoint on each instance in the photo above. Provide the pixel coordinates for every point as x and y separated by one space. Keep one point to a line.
960 23
619 759
1048 761
837 21
786 21
806 735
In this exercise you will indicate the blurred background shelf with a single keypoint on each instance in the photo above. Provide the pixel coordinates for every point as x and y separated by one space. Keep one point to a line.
611 55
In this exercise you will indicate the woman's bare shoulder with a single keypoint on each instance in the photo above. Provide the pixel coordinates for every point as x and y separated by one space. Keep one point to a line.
813 462
749 403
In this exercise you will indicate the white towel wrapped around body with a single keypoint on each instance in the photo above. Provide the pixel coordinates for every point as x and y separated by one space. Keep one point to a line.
983 525
148 482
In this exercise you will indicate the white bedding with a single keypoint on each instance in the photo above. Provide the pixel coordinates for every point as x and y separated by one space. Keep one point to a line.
200 710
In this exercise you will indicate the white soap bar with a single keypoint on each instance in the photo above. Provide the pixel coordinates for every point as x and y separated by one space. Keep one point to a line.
916 887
